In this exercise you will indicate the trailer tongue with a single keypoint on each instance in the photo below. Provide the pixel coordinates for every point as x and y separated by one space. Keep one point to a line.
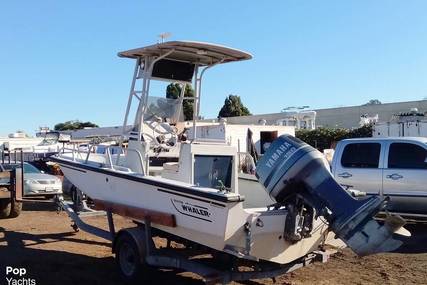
292 169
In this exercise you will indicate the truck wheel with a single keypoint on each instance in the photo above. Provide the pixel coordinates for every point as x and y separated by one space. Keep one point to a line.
5 208
128 260
16 209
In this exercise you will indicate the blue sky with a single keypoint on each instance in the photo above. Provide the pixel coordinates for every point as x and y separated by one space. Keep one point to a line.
58 58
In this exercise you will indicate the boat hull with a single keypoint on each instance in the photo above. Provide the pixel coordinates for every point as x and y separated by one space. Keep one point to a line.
212 220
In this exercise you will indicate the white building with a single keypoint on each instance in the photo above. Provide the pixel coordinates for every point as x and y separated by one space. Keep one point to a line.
339 117
411 124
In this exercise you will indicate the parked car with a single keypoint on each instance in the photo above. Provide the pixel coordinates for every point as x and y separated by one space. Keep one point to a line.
393 167
36 182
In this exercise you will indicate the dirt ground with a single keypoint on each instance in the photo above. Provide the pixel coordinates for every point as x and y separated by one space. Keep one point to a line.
43 242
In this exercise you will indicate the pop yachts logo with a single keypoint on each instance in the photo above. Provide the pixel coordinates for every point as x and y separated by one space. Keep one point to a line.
17 276
192 210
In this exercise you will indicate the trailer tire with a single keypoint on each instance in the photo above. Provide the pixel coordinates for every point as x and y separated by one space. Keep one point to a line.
77 198
16 209
5 208
129 261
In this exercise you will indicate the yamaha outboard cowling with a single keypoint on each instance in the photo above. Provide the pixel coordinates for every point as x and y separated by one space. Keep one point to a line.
291 167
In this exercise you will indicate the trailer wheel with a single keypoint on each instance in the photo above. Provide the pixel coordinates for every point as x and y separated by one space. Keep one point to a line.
77 198
129 260
16 209
5 208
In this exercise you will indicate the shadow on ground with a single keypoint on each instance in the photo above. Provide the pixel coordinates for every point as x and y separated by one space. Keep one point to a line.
417 242
39 205
54 267
48 266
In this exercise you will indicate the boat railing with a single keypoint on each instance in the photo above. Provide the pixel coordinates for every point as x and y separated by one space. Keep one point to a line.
115 166
84 155
74 152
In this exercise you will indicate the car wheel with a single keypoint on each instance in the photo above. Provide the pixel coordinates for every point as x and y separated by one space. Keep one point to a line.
16 208
5 208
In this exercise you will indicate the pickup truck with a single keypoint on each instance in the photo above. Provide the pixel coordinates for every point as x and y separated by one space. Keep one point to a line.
395 167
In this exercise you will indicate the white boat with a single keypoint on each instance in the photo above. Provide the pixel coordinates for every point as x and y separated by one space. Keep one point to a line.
199 197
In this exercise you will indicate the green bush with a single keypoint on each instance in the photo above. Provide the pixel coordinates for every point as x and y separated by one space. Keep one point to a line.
322 138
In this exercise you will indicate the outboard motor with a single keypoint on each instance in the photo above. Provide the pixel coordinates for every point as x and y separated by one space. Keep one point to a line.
292 168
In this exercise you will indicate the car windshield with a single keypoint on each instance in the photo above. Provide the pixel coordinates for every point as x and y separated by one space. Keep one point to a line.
28 168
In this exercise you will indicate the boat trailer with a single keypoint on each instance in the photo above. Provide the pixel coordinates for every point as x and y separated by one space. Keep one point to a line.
134 248
11 190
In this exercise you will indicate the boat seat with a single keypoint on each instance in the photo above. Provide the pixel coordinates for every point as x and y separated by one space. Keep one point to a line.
171 166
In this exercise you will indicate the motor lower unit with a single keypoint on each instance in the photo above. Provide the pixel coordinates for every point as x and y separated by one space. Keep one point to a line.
292 168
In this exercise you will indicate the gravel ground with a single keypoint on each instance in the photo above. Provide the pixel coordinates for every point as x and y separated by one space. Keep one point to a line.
43 242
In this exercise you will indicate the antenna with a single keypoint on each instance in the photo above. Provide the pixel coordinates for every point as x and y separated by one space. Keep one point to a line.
163 36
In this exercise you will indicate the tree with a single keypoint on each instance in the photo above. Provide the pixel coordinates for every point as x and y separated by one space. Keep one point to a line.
322 138
74 125
233 107
373 102
173 91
